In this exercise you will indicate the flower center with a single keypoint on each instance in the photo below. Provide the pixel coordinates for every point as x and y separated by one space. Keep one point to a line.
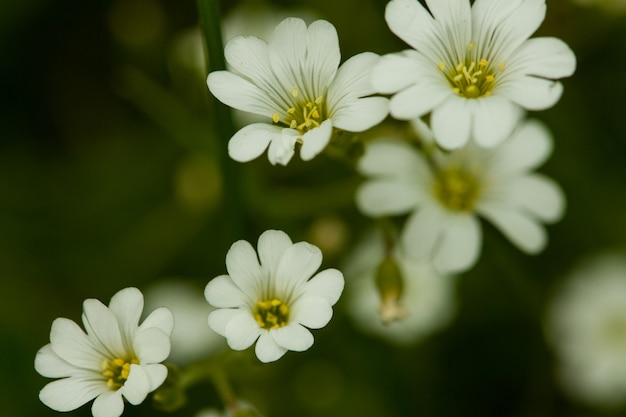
471 78
456 189
116 371
303 116
271 314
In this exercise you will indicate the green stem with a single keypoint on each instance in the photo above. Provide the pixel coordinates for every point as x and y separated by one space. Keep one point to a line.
231 216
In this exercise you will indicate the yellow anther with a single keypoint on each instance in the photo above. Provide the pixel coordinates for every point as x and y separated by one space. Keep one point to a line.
315 114
294 92
490 78
318 100
483 62
293 124
458 77
442 66
118 362
459 67
275 118
501 66
470 46
291 110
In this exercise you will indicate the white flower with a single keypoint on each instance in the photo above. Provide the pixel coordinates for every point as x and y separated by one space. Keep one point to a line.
274 301
446 195
586 325
191 339
427 296
116 357
472 67
294 81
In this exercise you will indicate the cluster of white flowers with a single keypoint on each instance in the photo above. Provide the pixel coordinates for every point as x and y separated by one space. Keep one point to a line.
472 73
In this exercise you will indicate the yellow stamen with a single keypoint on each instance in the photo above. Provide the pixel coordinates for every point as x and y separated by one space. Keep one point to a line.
294 92
275 118
271 314
442 66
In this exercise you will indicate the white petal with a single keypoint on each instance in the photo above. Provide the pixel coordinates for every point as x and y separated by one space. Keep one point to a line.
249 56
387 197
243 267
411 22
70 393
298 263
529 146
327 284
239 93
353 80
393 158
453 18
101 325
312 312
221 292
252 140
422 231
502 26
395 72
418 100
451 122
108 404
50 365
156 374
127 306
282 147
161 318
267 350
314 141
271 246
361 114
544 57
494 120
533 93
152 345
218 319
518 227
293 337
137 386
539 195
323 54
287 56
72 345
460 243
241 331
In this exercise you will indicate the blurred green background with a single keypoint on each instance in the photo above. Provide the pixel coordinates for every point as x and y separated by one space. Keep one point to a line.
112 175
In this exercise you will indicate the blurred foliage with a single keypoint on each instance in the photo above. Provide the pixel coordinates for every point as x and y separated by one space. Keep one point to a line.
112 174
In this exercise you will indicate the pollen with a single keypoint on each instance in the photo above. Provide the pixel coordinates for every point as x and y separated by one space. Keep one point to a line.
275 118
471 79
306 115
271 314
456 189
117 370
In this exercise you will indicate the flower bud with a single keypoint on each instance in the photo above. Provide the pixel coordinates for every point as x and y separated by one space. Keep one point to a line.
389 282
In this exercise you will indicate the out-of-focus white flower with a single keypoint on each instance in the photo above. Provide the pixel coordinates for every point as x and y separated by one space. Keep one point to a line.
294 82
116 358
427 296
473 67
446 194
191 339
586 326
273 301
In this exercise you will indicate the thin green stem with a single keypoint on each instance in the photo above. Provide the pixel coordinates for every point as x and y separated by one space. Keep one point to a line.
231 216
